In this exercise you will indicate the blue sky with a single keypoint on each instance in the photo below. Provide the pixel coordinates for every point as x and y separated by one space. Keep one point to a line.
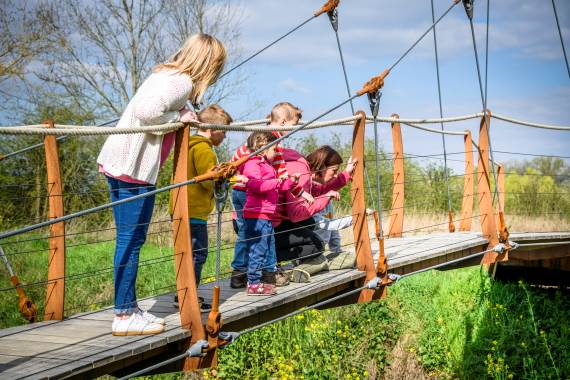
527 74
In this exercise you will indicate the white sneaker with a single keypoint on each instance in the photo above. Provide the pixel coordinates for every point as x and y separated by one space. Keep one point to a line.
151 318
135 325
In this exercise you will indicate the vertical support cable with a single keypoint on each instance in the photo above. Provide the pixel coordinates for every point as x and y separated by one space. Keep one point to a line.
487 53
561 39
333 18
483 99
446 174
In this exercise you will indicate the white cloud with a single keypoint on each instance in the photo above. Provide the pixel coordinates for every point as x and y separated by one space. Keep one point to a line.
290 84
382 30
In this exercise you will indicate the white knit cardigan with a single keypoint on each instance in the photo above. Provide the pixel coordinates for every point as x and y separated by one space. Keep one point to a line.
158 100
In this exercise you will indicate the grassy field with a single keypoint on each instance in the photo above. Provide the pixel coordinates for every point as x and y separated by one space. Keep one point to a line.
89 268
444 325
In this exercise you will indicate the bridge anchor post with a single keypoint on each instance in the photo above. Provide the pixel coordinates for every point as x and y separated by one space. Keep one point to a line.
364 259
55 292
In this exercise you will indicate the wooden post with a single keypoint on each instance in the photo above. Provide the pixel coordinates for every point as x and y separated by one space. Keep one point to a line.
364 260
190 317
397 211
469 175
55 292
486 213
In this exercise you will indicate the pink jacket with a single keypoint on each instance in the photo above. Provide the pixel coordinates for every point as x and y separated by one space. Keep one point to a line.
263 188
297 209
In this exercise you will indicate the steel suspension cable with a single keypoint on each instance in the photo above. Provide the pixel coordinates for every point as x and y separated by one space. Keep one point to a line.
455 2
487 53
561 39
267 46
484 103
440 110
333 17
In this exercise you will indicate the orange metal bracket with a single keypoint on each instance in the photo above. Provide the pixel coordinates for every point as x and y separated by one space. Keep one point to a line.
364 260
397 211
468 178
27 308
330 5
503 231
382 265
373 84
451 226
55 294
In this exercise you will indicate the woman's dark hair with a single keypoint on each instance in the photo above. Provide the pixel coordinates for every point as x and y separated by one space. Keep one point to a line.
322 158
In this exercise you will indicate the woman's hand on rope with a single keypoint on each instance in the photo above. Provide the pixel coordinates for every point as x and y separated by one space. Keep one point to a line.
333 195
308 197
351 165
188 116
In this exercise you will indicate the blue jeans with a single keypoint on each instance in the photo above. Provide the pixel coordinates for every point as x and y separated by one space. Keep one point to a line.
131 220
261 248
199 232
240 249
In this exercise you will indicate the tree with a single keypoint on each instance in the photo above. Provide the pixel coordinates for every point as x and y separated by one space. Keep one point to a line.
107 48
21 36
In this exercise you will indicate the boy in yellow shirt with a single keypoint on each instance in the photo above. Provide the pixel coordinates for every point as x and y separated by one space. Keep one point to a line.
201 158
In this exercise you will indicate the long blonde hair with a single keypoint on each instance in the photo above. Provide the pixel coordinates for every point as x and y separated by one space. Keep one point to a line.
202 57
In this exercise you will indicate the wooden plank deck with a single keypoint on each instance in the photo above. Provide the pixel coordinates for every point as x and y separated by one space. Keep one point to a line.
82 345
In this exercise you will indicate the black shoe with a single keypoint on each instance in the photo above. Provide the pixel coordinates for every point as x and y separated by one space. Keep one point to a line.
204 307
268 277
238 279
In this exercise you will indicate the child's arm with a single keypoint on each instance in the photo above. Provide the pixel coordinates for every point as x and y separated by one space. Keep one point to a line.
152 108
255 183
279 165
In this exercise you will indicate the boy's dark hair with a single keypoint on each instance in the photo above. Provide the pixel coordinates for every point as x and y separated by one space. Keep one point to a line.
214 114
322 158
258 139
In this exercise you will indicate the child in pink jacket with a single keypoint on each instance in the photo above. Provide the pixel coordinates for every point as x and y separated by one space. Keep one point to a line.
262 191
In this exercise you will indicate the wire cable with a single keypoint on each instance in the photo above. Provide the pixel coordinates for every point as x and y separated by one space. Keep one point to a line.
561 39
440 108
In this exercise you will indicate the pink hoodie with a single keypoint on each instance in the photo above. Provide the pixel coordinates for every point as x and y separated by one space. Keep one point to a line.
263 188
297 209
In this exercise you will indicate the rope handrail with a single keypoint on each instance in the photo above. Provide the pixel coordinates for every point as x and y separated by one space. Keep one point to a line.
530 124
260 125
439 131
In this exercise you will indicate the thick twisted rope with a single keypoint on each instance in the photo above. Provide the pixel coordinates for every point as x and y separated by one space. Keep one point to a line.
258 125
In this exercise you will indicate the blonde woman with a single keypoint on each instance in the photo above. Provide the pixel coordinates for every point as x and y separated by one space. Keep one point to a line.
131 163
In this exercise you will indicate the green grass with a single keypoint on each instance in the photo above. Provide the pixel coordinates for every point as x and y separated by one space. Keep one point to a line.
456 324
83 291
466 326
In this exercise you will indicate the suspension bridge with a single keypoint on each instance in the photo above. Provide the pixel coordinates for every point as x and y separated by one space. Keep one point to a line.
76 341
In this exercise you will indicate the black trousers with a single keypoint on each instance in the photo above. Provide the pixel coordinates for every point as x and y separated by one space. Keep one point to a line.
297 240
